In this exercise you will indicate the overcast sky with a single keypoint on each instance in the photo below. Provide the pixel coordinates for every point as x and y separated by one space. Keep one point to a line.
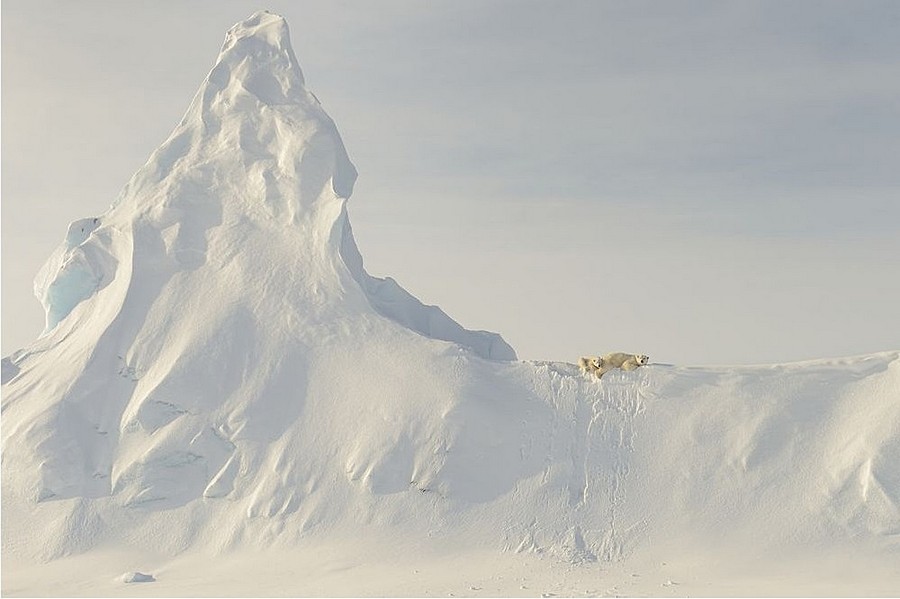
704 182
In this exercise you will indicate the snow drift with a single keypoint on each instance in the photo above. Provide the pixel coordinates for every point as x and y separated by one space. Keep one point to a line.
220 372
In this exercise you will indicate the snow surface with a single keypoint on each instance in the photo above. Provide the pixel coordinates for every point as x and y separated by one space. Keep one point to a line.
224 395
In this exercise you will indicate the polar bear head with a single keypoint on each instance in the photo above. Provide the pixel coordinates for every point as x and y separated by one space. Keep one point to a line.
642 359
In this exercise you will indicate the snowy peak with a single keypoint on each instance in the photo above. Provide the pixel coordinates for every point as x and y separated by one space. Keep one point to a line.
257 56
252 182
201 318
262 27
254 140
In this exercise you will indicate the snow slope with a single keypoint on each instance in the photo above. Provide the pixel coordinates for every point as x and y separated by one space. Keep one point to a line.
219 375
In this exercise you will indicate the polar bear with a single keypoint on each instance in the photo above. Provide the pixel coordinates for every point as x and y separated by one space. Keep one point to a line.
624 361
600 365
590 364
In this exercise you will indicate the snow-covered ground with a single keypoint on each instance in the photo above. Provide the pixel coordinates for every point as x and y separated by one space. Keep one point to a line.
225 401
359 565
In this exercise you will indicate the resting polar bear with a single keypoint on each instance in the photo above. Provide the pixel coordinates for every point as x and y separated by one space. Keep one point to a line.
600 365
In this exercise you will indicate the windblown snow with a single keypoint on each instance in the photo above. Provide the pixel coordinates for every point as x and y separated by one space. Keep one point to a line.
219 373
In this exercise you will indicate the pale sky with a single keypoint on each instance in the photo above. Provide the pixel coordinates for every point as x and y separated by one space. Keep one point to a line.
704 182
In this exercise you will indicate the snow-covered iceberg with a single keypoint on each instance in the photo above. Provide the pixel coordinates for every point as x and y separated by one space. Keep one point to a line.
219 372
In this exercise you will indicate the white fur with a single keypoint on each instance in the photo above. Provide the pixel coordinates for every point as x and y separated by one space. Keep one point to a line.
600 365
589 364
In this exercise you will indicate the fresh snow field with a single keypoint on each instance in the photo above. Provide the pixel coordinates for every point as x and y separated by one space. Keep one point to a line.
225 403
